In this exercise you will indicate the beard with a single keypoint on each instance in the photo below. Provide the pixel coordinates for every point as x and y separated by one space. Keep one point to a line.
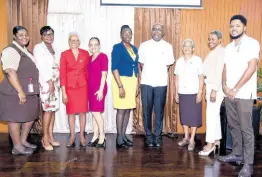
236 37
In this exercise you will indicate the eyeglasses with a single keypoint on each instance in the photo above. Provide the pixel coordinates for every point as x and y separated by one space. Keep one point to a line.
126 34
96 45
74 41
48 35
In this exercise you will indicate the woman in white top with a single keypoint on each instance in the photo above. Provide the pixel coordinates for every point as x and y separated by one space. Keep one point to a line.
47 61
213 68
189 84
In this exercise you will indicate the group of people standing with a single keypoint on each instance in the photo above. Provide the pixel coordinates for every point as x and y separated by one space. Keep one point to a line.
39 77
226 72
229 73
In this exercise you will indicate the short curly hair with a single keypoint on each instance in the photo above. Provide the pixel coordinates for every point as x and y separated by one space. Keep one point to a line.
45 29
239 17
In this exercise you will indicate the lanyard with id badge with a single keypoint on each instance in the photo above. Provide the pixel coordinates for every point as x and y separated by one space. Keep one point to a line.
30 86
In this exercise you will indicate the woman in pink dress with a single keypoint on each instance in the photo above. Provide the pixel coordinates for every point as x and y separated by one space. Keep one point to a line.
97 89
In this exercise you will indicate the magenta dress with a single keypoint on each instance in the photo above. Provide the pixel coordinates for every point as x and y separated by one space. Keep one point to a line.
95 69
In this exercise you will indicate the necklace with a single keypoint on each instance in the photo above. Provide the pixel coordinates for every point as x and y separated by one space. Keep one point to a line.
129 49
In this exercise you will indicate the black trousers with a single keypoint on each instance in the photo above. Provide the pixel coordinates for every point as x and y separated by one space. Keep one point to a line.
153 97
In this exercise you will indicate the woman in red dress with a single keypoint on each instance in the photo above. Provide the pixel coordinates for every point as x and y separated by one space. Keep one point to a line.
73 81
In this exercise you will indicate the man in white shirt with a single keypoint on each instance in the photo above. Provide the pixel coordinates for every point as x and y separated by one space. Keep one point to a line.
240 87
155 57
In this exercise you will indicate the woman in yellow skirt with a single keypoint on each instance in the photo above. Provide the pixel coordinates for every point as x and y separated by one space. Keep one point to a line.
125 83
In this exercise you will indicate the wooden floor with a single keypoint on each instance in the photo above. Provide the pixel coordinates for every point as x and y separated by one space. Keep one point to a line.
138 161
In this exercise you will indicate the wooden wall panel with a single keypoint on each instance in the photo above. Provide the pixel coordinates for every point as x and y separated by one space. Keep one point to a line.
196 24
170 18
3 43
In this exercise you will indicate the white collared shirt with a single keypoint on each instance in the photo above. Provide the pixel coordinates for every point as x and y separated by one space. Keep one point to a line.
236 61
156 57
188 73
45 61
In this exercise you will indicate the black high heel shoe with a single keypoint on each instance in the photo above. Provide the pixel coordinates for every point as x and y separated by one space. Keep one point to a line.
128 142
217 144
93 144
103 145
69 145
121 146
82 145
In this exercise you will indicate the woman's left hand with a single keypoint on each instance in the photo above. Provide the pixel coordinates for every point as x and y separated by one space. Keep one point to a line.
99 95
199 97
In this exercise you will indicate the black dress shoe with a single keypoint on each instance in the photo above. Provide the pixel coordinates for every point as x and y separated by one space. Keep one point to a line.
103 145
93 144
158 144
246 171
157 141
121 146
149 143
231 158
